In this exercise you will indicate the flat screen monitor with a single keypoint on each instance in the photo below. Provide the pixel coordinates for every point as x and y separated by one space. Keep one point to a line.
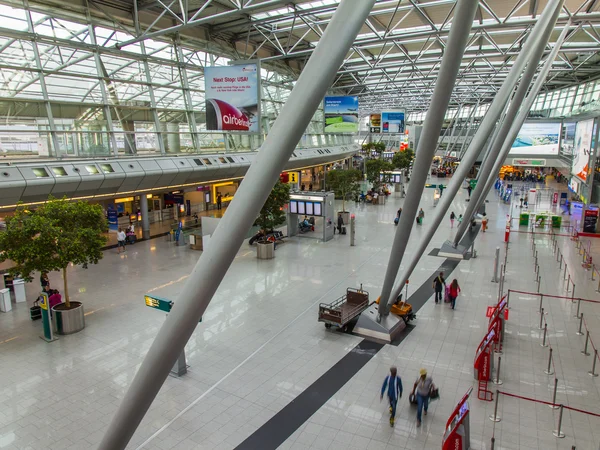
317 209
301 208
309 208
293 207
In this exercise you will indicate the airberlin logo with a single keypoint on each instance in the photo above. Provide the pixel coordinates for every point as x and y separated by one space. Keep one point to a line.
237 121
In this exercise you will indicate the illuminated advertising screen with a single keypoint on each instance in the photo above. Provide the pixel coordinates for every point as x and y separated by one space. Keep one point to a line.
341 114
568 138
582 148
392 121
537 138
232 98
375 123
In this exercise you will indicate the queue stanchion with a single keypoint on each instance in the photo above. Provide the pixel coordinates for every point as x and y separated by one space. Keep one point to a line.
549 370
541 310
495 417
497 381
578 307
554 405
593 371
579 332
544 343
538 282
558 433
541 320
587 339
565 274
573 292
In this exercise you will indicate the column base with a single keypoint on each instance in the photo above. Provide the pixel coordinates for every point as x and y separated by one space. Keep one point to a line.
386 330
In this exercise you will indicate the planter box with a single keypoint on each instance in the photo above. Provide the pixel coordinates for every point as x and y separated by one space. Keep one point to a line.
68 321
265 250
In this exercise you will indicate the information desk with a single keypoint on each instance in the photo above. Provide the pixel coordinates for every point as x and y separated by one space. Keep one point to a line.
458 434
483 364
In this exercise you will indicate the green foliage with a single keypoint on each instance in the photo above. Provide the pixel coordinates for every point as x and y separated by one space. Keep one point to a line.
51 237
374 146
402 160
373 168
272 215
345 183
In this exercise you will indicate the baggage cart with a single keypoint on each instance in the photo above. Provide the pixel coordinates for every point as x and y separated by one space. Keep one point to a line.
343 310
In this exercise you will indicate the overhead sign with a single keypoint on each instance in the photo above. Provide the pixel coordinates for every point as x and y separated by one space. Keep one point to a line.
393 121
232 100
158 303
341 114
537 138
293 177
375 123
582 149
529 162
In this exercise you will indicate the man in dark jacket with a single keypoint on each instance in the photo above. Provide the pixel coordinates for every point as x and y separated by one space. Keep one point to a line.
438 285
340 224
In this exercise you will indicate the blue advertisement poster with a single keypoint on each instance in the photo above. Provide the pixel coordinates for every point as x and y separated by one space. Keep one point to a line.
113 218
232 98
392 121
341 114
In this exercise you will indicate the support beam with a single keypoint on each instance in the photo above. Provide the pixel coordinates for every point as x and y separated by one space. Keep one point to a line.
457 41
206 277
536 41
477 197
527 104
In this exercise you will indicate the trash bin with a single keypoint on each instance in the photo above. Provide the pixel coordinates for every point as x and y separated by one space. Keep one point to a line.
5 304
19 287
556 221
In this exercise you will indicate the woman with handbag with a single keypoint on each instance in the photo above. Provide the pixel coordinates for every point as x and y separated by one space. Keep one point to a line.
453 291
422 389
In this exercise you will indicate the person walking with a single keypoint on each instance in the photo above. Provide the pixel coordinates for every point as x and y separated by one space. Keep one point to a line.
452 217
44 281
469 190
454 290
393 384
121 237
340 223
460 219
442 187
398 214
484 223
219 201
438 286
421 216
422 390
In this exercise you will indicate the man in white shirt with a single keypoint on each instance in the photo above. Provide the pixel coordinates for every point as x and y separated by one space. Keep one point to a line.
121 240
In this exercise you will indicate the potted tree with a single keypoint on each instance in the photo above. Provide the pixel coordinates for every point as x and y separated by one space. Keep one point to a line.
345 184
271 215
374 169
403 158
50 238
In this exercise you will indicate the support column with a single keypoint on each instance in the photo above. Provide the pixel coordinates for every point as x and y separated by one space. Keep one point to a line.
457 41
477 197
473 151
145 219
206 277
527 104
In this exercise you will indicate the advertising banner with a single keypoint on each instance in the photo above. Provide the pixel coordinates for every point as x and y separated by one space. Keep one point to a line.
393 121
537 138
232 98
375 123
113 218
341 114
581 150
568 139
589 221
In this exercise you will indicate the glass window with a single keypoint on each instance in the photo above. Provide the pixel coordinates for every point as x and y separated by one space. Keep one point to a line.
230 159
59 171
207 161
223 160
198 162
40 172
107 168
92 170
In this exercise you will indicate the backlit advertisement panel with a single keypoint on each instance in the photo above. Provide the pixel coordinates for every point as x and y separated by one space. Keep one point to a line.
581 150
392 121
341 114
375 123
568 139
232 98
537 138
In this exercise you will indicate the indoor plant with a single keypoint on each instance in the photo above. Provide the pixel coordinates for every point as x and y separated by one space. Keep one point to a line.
272 215
345 184
56 234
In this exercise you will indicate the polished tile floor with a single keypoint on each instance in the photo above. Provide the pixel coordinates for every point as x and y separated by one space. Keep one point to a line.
260 345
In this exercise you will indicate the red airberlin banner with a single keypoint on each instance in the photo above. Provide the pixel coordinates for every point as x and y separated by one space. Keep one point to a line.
232 98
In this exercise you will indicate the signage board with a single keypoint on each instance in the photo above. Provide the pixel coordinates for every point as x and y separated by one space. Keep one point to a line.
375 123
590 220
158 303
574 185
537 138
293 177
341 114
393 121
582 149
529 162
232 99
113 218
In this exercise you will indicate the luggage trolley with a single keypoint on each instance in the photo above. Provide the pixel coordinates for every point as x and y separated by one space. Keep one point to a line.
343 310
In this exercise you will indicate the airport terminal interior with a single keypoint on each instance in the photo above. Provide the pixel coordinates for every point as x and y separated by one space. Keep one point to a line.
292 224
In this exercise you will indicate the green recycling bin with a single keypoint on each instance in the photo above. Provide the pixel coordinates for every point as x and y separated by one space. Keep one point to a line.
556 221
524 219
540 220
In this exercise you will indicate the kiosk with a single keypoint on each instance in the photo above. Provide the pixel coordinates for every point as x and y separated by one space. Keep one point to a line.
458 434
497 319
319 205
484 365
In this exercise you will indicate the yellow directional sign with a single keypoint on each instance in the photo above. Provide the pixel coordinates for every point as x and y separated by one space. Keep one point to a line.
293 177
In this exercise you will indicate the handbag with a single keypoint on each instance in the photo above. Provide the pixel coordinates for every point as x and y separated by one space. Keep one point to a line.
434 393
